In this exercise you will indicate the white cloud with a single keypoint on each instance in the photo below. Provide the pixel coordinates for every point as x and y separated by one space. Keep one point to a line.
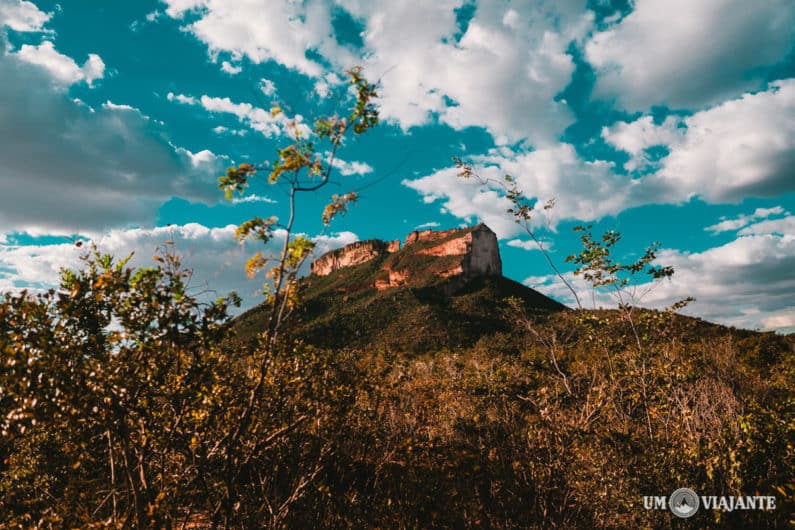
267 87
352 168
182 98
253 198
202 158
220 129
687 54
323 86
550 285
511 19
256 118
217 261
85 169
743 283
743 147
528 244
783 226
784 321
726 225
283 31
326 243
61 67
637 136
425 226
465 200
177 8
747 283
231 69
321 89
114 106
21 15
501 76
502 73
582 190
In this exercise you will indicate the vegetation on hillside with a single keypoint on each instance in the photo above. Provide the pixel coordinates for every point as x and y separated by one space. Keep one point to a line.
123 403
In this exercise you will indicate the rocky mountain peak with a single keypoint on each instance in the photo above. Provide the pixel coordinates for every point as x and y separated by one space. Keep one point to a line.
463 253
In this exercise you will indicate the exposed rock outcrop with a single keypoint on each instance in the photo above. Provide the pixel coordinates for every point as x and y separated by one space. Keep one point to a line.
352 254
462 253
429 235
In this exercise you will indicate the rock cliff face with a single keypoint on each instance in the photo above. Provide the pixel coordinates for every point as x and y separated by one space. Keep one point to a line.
352 254
458 253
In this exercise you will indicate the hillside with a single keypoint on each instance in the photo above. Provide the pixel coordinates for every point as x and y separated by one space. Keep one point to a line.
436 292
565 421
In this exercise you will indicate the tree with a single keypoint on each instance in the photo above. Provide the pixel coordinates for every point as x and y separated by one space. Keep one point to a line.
99 378
522 210
125 404
302 168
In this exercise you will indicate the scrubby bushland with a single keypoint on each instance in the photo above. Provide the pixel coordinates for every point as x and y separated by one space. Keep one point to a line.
106 429
470 438
125 404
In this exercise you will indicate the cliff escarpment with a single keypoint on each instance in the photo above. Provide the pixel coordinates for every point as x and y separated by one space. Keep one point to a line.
438 289
425 256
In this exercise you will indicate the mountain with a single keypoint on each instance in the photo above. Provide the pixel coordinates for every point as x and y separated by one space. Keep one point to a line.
436 290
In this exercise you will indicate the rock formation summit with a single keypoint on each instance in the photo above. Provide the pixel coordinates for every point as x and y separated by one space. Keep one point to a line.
435 289
461 254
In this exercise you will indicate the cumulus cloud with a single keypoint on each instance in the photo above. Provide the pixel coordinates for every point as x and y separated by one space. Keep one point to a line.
26 17
726 225
743 147
283 32
686 54
220 130
465 199
61 67
182 98
217 261
267 87
67 167
778 227
638 136
21 15
745 283
782 322
231 69
527 244
501 71
258 119
352 168
582 189
177 8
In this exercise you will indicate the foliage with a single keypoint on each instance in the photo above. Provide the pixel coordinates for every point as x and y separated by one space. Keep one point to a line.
127 403
99 382
299 166
522 210
683 409
461 438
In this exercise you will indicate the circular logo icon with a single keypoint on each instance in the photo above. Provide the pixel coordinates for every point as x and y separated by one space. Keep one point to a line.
683 502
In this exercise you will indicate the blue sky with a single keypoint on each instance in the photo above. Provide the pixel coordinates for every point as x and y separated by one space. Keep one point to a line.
668 120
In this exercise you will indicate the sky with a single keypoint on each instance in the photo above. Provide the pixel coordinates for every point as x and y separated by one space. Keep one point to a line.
666 120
